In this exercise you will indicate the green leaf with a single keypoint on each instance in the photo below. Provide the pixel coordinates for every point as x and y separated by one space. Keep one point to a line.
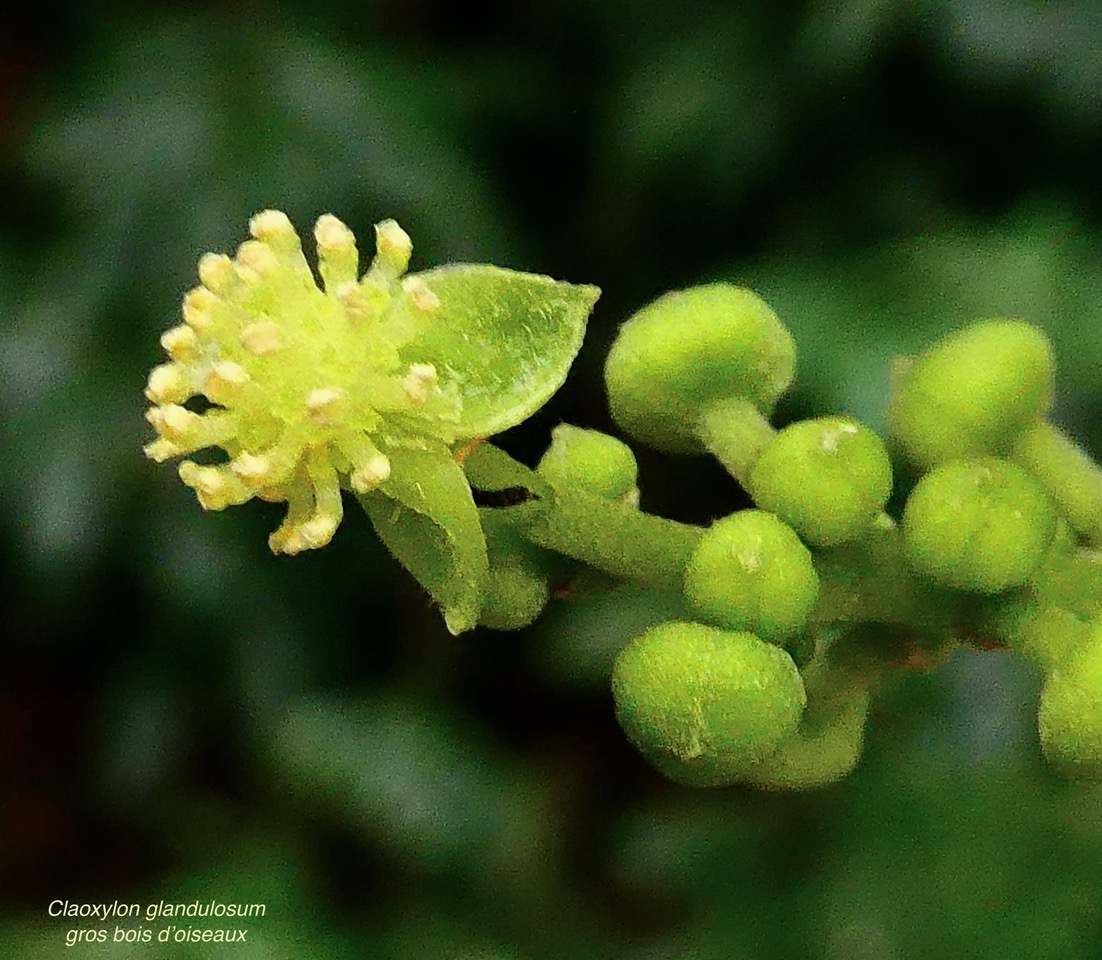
507 339
425 515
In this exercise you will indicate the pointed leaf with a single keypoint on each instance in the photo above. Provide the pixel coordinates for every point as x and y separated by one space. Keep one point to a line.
507 339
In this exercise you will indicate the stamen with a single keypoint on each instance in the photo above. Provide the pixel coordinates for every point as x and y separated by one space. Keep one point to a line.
423 298
217 273
392 250
338 259
261 338
257 256
419 382
167 384
322 404
181 343
224 382
199 305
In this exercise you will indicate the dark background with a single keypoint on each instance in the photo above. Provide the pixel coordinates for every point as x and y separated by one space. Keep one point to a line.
184 716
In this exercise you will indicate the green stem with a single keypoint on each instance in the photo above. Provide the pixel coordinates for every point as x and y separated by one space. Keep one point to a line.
613 537
736 434
1070 476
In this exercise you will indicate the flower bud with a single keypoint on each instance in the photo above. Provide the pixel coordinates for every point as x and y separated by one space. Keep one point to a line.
704 704
973 393
829 478
1069 718
981 525
751 572
590 460
688 350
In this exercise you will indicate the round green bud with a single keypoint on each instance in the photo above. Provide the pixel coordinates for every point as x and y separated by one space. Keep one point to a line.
980 525
1044 632
686 351
750 571
817 755
973 393
514 593
590 460
702 704
1069 718
515 589
828 477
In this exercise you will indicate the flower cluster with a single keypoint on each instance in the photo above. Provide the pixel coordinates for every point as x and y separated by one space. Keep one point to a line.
307 387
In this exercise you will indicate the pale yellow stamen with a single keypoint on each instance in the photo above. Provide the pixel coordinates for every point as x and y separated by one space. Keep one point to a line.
161 450
173 422
323 403
392 248
257 257
215 487
419 382
253 469
332 235
199 307
356 302
368 475
423 298
217 272
181 343
167 384
261 338
273 226
225 380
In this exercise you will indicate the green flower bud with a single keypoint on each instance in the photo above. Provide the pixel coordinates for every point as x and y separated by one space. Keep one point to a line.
973 393
1069 718
515 593
689 350
591 461
516 586
1049 619
829 478
751 572
702 704
817 754
979 525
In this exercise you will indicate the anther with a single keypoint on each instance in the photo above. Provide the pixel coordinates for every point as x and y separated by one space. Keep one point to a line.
225 380
420 294
419 382
261 338
217 272
167 384
257 257
199 307
181 343
322 403
368 475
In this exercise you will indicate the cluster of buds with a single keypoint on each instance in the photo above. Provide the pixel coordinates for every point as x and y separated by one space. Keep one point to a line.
307 387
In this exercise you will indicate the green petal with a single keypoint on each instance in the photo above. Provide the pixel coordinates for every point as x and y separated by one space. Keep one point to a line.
425 515
506 339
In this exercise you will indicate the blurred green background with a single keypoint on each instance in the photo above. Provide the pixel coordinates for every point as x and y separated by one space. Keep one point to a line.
184 716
